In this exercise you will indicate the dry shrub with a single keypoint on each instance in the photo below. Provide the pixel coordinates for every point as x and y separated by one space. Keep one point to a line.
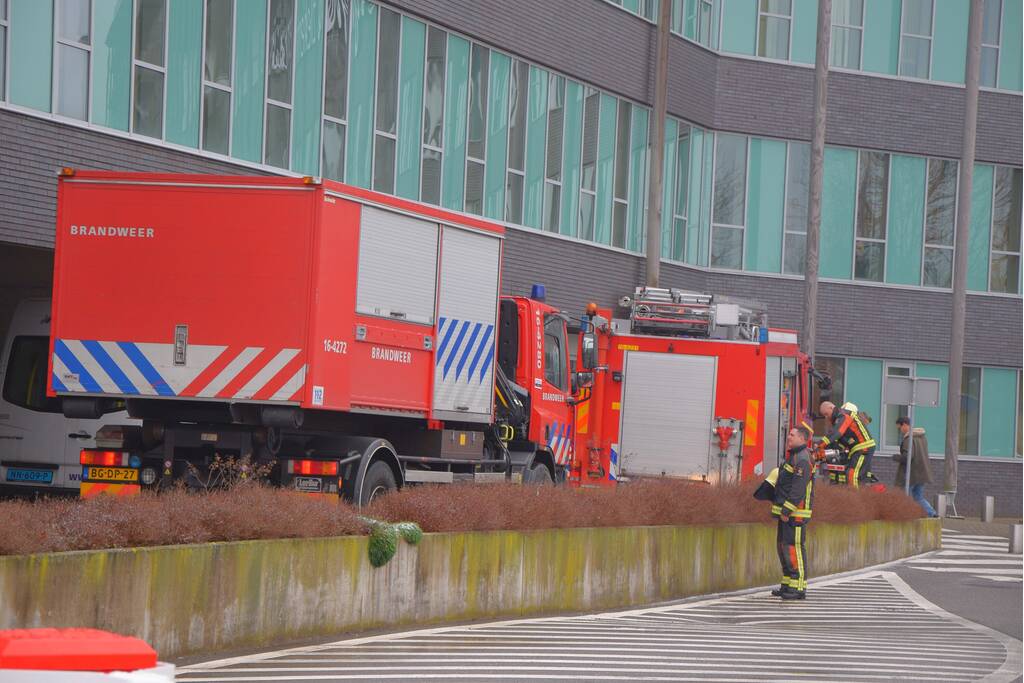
252 511
241 513
643 503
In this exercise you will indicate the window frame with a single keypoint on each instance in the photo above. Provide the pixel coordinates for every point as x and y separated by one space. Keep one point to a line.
883 432
524 99
849 27
980 409
998 46
424 145
685 216
51 405
589 91
87 48
268 101
481 160
789 33
925 246
992 251
377 133
562 337
140 64
619 102
554 229
746 204
790 145
856 218
5 24
204 83
326 118
931 45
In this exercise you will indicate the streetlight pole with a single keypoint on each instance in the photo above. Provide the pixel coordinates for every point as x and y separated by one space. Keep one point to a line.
963 224
809 338
656 174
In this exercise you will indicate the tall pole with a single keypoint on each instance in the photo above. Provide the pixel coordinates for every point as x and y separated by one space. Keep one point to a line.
963 224
656 175
809 338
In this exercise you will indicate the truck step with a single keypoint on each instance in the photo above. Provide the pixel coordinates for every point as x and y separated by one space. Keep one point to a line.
429 476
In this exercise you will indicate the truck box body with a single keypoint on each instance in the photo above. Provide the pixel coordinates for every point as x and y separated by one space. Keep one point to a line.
281 291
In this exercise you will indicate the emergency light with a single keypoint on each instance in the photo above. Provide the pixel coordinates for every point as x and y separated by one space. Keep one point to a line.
538 292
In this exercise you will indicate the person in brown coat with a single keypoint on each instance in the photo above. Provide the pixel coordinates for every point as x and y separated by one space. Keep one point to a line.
920 468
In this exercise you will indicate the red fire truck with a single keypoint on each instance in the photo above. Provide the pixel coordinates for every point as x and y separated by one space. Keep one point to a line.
690 385
357 342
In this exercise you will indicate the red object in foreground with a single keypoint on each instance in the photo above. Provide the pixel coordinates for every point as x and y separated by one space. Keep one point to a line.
73 649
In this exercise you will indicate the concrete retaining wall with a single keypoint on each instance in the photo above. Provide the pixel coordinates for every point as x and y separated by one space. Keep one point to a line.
203 598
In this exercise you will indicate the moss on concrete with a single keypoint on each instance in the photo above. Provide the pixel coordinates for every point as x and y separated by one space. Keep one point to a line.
203 598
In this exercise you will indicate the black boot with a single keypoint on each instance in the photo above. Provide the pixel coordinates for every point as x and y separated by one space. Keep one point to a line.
780 590
792 594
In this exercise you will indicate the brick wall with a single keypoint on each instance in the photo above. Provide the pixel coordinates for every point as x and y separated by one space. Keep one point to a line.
975 480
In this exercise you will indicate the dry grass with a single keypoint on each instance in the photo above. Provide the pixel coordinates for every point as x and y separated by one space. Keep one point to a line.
242 513
251 512
646 503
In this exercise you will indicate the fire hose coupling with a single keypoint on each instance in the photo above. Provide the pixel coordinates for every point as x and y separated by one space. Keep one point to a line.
725 430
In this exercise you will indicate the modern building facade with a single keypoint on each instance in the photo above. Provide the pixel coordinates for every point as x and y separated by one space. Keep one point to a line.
537 114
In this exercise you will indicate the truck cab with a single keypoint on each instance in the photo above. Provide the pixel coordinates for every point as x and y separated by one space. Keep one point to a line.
533 354
39 447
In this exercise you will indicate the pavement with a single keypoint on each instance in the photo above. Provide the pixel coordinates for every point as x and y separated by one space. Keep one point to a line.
954 614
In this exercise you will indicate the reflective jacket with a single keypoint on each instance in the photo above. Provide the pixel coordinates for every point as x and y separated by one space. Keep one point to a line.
849 432
794 490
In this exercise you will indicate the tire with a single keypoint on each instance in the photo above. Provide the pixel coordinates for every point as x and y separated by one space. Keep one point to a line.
538 475
378 480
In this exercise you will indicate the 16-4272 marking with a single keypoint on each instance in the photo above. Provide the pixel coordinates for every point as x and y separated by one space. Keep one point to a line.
335 346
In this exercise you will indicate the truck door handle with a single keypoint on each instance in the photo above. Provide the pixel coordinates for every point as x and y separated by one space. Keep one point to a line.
462 408
80 435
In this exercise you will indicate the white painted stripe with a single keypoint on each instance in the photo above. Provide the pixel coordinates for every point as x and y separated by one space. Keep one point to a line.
1009 671
966 561
950 531
970 570
999 542
768 667
237 364
92 366
122 361
961 537
261 378
760 653
999 578
291 386
974 553
492 676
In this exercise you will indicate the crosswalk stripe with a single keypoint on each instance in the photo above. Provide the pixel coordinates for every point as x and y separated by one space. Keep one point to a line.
864 627
973 570
939 560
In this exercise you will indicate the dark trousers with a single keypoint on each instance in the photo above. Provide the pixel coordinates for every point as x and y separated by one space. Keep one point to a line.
859 467
791 540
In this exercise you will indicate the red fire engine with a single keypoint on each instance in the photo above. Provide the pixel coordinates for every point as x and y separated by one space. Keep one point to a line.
357 342
691 385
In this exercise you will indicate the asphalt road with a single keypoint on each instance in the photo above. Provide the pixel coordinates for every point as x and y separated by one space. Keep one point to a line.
950 615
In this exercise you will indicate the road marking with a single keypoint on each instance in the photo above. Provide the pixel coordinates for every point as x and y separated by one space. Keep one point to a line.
887 632
939 560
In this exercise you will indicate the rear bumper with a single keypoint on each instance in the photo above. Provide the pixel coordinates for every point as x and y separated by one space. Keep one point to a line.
31 491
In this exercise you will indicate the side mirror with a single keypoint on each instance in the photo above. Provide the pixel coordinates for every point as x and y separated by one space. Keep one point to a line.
588 351
582 380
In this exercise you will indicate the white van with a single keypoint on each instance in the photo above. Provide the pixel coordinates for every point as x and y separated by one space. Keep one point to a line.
39 447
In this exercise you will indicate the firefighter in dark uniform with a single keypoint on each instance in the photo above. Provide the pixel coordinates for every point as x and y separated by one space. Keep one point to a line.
794 492
849 432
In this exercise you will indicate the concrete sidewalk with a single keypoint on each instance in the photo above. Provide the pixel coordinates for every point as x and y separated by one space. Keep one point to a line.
998 527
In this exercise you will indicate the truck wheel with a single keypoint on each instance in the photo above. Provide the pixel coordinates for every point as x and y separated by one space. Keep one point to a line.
379 479
538 475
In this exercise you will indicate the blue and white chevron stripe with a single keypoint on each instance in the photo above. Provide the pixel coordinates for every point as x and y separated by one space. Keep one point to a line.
613 462
465 350
560 442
